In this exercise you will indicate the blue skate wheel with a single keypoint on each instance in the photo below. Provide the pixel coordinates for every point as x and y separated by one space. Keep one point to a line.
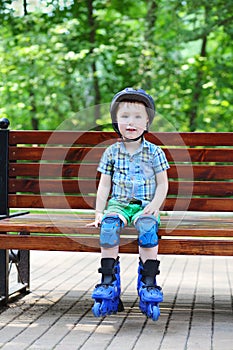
155 313
96 309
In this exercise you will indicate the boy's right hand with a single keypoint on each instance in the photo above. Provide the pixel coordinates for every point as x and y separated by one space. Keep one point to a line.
98 219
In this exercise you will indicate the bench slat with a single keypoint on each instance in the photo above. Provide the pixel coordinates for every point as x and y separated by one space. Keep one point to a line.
174 225
62 137
90 244
55 153
94 154
56 202
51 170
199 155
85 186
53 186
223 231
198 172
88 202
199 204
93 138
201 188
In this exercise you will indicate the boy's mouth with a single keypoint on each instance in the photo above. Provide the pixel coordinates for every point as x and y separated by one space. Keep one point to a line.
130 128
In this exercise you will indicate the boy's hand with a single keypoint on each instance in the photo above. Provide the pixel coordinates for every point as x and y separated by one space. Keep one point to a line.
98 219
150 210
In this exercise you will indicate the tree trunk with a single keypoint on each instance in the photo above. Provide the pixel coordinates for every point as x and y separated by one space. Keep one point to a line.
25 11
96 88
34 120
151 18
197 88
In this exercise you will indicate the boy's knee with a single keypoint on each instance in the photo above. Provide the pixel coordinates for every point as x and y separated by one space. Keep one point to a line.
147 227
110 228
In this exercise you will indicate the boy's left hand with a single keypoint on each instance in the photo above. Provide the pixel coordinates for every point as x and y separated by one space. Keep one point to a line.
150 210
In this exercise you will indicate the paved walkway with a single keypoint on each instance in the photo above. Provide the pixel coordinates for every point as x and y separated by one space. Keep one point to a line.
197 312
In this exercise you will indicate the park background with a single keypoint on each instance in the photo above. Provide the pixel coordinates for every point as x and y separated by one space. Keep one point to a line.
64 60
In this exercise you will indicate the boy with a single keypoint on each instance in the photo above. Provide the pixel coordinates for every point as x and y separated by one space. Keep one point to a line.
136 170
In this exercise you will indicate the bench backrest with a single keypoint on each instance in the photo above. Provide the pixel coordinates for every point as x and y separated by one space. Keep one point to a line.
44 168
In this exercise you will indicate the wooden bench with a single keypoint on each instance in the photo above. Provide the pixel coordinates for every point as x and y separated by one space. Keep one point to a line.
55 172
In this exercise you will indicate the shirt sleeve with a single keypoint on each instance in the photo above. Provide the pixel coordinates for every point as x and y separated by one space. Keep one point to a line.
160 161
106 162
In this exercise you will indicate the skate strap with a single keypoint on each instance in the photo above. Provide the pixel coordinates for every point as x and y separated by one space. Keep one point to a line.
150 272
105 285
107 270
151 268
148 287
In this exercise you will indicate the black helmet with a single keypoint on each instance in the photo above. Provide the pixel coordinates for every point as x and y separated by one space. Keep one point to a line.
131 95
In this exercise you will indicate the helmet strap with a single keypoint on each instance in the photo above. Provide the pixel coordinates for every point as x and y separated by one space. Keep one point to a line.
125 139
115 126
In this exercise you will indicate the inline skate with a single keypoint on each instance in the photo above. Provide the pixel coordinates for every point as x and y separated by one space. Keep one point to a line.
149 293
107 293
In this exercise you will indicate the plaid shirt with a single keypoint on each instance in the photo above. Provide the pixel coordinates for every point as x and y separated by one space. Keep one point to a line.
133 176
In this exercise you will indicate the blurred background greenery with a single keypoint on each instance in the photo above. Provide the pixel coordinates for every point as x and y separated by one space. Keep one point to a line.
64 60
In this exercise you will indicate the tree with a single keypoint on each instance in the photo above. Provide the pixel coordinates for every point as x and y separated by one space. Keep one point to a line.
65 58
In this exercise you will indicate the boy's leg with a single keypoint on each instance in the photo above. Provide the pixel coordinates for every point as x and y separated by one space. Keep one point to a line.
110 252
148 253
107 292
150 294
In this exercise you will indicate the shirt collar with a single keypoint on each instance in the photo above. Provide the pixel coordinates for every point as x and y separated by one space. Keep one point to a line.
123 150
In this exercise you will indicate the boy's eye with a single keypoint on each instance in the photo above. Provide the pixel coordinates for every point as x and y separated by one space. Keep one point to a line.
138 116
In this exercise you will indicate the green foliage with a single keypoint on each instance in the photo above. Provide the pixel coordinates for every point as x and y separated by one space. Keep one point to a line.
60 62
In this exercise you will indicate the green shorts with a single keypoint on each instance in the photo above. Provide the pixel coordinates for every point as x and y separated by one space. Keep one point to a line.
129 211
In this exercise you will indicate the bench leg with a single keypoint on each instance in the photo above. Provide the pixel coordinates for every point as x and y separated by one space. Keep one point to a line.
21 260
24 268
4 276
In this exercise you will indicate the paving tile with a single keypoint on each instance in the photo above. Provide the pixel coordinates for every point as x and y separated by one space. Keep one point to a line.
197 312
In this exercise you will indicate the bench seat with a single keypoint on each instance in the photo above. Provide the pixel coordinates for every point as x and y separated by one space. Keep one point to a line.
189 234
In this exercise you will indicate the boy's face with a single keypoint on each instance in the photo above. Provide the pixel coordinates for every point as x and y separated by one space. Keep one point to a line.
132 119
